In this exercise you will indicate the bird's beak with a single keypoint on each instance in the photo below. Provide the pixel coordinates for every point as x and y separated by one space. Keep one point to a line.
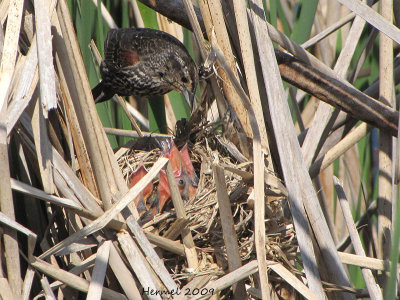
189 97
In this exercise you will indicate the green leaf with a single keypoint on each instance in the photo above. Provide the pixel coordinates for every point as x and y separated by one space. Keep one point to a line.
157 118
302 26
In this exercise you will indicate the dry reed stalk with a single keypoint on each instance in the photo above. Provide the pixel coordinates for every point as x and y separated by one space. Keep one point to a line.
154 260
123 274
28 280
295 77
9 54
3 15
258 169
250 268
190 250
340 148
334 137
47 289
10 46
115 261
130 133
166 243
287 149
338 93
232 277
39 194
203 52
196 28
197 282
329 30
374 291
373 18
246 48
99 271
175 30
363 57
43 146
176 228
325 49
73 186
323 121
116 208
109 179
373 89
79 198
230 237
214 19
325 114
71 280
364 261
24 89
11 252
32 237
106 15
137 261
385 178
45 56
76 132
293 281
363 220
137 14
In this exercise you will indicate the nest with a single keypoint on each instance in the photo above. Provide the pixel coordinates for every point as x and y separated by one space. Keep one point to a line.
203 218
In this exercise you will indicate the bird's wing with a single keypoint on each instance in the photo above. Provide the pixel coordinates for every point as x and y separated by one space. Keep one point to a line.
119 51
125 47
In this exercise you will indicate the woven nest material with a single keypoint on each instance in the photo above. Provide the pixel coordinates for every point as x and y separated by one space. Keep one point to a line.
204 220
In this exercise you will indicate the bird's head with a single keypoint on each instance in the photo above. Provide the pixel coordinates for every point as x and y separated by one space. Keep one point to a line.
181 73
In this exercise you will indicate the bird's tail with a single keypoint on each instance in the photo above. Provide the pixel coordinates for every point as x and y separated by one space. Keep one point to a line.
100 93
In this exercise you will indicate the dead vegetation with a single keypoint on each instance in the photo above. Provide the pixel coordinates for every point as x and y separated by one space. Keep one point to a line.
261 224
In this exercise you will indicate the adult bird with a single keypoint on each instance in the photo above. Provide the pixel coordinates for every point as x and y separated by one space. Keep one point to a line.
145 62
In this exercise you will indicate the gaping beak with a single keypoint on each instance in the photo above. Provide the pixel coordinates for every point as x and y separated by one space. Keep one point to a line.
189 97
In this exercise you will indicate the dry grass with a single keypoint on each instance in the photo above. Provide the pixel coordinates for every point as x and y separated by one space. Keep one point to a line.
262 223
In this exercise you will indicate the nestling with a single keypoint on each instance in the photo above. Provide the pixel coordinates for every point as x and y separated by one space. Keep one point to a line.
145 62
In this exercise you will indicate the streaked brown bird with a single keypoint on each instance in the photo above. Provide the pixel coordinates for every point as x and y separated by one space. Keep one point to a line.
145 62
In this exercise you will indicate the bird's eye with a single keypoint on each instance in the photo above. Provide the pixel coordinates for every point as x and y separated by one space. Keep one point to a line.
184 79
161 74
181 182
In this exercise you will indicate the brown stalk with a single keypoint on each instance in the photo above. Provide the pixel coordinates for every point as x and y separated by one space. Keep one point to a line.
190 249
7 65
288 148
304 68
108 177
334 92
373 289
230 237
70 279
214 19
385 177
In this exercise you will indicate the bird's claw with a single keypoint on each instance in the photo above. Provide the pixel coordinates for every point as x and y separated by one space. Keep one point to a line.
207 69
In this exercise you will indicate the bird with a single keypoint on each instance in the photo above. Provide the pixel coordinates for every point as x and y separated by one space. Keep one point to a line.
141 199
150 202
145 62
185 176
